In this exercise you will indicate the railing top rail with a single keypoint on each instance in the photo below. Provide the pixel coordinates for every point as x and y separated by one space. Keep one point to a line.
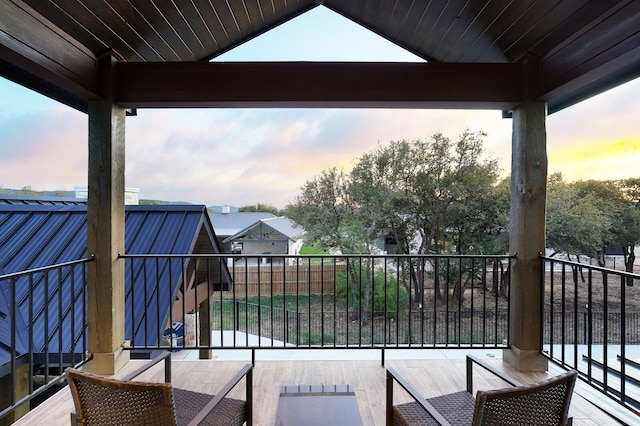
593 267
319 256
45 268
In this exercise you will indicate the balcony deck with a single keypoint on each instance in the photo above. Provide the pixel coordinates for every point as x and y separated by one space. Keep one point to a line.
442 372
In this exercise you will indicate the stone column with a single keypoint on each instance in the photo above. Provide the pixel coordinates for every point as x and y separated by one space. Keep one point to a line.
527 234
105 230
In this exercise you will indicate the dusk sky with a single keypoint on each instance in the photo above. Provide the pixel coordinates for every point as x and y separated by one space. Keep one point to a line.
246 156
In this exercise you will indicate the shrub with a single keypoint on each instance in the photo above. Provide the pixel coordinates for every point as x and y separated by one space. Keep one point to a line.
386 292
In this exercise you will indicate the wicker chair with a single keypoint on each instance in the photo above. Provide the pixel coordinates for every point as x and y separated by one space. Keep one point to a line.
543 403
104 401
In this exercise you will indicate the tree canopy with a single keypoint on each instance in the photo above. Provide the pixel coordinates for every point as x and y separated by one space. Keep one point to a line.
431 196
436 195
592 217
260 207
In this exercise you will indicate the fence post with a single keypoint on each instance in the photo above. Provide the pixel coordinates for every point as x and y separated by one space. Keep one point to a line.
584 332
286 326
236 316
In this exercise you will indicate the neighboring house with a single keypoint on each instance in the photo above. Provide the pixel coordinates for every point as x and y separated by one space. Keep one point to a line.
269 237
227 223
34 236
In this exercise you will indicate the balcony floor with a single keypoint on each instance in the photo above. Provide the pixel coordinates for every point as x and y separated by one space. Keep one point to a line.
435 373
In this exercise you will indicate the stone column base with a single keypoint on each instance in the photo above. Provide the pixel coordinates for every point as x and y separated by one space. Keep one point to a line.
107 364
525 360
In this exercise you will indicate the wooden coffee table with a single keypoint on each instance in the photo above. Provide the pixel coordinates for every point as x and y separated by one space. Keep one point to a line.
311 405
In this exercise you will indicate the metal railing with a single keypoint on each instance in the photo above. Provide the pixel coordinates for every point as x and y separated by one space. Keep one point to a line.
317 302
249 302
43 331
590 323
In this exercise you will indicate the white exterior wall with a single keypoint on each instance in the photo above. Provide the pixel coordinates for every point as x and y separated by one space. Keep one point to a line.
264 248
294 248
131 195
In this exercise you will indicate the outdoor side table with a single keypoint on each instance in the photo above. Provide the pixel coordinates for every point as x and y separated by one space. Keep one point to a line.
311 405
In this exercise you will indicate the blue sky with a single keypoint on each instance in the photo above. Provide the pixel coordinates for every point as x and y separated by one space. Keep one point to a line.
245 156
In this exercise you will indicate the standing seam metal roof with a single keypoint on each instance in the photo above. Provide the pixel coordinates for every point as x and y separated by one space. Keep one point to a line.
33 236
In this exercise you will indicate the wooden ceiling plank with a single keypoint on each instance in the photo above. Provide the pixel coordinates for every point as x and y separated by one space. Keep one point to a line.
476 33
590 83
95 25
184 20
47 49
402 14
457 22
498 27
219 37
378 12
555 26
439 23
253 10
610 37
534 24
242 16
285 84
55 13
394 15
565 30
118 30
160 34
196 16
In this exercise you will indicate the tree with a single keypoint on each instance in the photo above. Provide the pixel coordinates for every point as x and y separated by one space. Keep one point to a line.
446 199
260 207
330 210
587 217
577 220
626 228
432 196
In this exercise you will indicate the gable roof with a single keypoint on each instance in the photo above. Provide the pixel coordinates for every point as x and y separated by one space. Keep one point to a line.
38 236
577 48
226 224
266 230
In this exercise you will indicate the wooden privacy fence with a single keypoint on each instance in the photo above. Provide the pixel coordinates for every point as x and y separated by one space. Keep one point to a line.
279 279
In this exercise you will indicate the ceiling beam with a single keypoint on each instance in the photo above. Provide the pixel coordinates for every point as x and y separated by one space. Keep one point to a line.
319 85
603 55
40 56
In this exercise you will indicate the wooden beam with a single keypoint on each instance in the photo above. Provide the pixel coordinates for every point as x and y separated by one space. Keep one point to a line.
37 54
318 85
602 57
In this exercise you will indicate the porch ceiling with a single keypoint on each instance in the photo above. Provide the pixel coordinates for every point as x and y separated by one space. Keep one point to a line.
576 48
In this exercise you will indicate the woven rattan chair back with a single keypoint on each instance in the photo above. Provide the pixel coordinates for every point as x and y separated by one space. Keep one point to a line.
543 403
104 401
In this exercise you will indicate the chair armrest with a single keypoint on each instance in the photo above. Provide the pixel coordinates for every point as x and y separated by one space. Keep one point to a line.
247 371
392 376
165 355
471 359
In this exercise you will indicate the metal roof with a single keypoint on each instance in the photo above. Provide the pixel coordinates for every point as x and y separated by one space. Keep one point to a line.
38 236
574 48
39 200
266 228
226 224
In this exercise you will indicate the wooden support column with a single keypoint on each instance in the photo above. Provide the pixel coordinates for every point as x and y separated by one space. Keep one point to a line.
205 328
527 234
105 219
